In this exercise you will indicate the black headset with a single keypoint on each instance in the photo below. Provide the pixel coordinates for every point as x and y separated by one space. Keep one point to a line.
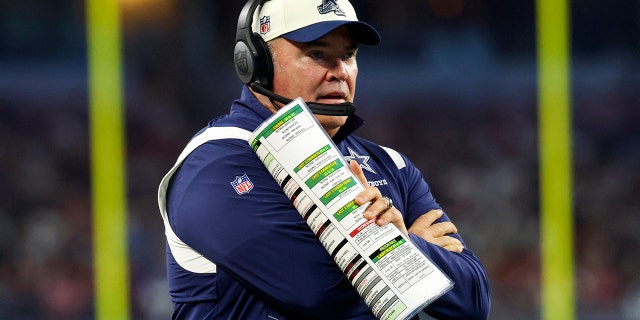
251 55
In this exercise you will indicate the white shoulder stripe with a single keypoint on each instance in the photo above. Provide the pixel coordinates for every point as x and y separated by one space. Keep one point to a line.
396 157
213 133
185 256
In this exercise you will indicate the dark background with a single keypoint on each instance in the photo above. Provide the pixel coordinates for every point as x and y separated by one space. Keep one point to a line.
453 86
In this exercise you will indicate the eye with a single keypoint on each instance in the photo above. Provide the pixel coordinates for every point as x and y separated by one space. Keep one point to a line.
349 55
316 54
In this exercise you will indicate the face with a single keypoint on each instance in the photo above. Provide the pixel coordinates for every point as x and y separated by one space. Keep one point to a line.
323 71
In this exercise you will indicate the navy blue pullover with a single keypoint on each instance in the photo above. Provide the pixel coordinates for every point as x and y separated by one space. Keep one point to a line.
252 256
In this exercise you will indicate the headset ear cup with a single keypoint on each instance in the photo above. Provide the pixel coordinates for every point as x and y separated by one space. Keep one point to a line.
251 55
253 61
244 61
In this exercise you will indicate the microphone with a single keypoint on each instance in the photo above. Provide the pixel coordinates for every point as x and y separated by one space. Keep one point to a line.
339 109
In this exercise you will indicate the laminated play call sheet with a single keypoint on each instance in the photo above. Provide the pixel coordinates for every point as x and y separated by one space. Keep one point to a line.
395 279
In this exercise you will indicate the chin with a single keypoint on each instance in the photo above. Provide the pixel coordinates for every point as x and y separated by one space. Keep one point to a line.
331 123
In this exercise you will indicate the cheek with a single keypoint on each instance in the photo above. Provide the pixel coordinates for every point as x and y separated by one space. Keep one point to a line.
353 75
294 77
354 71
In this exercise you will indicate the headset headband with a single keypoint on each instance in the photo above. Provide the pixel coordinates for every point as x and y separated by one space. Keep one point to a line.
251 54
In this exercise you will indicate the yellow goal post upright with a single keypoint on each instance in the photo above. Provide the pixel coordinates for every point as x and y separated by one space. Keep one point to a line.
108 164
555 154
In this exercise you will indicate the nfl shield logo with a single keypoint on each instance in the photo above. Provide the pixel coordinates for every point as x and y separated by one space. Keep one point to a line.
242 184
241 61
265 24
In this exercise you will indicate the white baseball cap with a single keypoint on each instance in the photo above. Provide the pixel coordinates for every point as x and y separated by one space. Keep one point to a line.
309 20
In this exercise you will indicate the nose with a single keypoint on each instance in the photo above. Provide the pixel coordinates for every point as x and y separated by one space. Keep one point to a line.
339 70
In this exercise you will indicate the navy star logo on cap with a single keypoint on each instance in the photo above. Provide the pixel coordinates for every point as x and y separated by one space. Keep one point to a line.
329 6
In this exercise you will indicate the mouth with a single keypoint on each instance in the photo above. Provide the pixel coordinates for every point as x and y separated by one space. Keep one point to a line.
332 98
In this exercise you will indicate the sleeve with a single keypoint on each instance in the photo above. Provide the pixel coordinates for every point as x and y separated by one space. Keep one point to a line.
470 296
258 237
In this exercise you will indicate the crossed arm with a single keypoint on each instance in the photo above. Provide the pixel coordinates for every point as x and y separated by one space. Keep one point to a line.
470 298
424 226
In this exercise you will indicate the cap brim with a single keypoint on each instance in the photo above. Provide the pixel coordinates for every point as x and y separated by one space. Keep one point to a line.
362 32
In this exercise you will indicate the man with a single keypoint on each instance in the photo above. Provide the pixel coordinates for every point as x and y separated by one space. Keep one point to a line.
237 248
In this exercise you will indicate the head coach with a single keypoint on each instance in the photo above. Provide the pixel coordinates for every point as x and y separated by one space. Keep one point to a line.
236 246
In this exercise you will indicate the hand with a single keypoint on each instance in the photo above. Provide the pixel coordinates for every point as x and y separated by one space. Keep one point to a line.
436 233
378 209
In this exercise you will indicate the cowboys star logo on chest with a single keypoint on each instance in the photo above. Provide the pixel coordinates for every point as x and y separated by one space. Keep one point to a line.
362 160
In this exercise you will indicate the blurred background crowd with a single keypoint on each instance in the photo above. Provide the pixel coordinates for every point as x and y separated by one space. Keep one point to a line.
453 86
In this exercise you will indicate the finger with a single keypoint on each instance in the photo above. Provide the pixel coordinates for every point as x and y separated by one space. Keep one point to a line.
428 218
449 243
443 228
433 232
377 208
454 248
357 171
369 193
394 216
